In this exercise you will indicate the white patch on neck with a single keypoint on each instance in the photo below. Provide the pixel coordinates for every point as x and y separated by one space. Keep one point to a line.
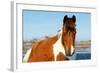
26 57
58 47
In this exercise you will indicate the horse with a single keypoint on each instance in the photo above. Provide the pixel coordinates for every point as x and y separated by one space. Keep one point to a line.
56 48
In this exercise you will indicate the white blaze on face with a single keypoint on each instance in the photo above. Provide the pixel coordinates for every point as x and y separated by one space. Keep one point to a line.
72 50
25 59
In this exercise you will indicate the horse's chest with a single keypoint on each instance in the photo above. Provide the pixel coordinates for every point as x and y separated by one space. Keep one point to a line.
58 48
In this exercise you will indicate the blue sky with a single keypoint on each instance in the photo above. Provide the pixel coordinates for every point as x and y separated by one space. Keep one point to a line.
37 24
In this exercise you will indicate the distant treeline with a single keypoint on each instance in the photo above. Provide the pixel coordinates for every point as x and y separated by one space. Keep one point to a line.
76 42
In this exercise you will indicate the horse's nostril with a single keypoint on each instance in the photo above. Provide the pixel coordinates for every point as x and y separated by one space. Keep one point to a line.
73 52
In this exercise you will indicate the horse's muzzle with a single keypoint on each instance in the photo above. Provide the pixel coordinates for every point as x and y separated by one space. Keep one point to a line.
69 53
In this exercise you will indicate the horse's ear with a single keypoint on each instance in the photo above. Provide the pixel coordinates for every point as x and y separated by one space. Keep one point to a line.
74 18
65 18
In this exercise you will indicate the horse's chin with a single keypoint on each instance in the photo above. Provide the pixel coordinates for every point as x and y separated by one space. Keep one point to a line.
69 57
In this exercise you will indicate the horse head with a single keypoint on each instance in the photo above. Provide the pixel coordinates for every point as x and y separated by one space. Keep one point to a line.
68 34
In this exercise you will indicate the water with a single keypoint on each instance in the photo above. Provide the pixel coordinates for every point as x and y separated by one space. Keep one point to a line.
84 54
